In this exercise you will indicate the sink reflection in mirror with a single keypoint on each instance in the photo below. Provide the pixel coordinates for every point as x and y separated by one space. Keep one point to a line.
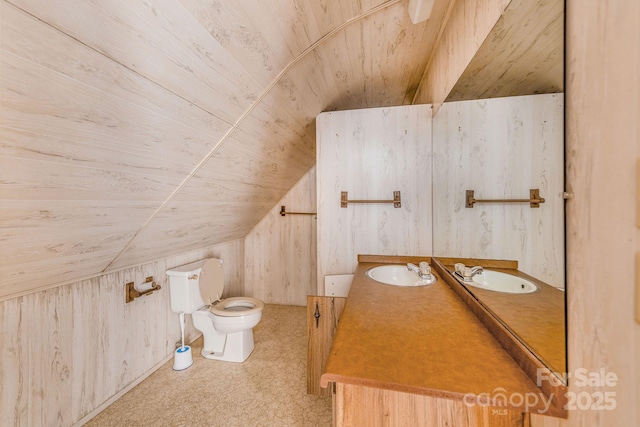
535 317
398 275
496 281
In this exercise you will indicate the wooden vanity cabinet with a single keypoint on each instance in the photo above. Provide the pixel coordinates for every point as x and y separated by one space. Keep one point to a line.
356 405
323 314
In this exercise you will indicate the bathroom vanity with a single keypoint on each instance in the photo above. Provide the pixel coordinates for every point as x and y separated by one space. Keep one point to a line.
407 355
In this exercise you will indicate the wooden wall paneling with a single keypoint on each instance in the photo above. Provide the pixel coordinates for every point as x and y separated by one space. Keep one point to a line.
469 24
16 381
249 45
39 100
148 319
228 195
279 121
45 241
387 79
175 49
37 180
601 156
365 79
71 349
139 123
280 252
287 155
602 239
50 364
308 87
207 224
500 148
92 146
371 153
23 37
92 383
513 61
333 77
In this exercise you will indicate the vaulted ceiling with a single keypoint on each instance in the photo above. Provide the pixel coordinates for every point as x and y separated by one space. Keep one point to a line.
134 130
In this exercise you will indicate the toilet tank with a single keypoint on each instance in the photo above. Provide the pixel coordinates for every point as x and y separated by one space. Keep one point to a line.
184 291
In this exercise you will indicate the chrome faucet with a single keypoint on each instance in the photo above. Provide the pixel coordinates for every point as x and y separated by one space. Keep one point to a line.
423 271
467 273
473 271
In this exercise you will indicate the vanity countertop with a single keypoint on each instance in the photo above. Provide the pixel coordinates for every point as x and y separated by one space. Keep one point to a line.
421 340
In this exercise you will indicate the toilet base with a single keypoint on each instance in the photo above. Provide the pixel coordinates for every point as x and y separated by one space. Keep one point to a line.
238 347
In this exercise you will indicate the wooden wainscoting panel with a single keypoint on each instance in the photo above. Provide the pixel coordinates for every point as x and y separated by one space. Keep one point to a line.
14 362
50 363
320 332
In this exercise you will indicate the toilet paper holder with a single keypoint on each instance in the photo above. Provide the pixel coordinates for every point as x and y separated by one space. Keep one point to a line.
132 293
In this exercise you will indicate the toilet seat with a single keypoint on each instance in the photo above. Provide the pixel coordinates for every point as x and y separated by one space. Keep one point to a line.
211 287
237 307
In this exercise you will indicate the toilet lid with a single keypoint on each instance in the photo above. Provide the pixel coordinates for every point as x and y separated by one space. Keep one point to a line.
211 280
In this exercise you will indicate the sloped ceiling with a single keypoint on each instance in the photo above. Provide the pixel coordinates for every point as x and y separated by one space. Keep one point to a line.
134 130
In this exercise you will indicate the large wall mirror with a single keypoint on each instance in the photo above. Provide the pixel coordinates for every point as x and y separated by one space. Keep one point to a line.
501 133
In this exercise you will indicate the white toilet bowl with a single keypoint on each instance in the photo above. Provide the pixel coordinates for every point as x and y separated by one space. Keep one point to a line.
226 325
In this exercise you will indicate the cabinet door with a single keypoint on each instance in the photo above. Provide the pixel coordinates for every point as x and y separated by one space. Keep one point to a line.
356 405
323 314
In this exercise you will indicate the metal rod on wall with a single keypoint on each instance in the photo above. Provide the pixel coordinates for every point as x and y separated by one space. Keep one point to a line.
534 199
283 212
344 200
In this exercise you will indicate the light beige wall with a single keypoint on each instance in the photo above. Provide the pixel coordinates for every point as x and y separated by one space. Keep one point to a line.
370 154
501 148
69 350
603 145
280 252
469 24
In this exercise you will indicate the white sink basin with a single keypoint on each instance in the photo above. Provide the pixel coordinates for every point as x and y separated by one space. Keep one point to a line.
502 282
397 275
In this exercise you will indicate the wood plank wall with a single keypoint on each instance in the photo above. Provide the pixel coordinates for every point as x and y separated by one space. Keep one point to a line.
523 54
370 154
469 24
501 148
603 146
280 252
70 349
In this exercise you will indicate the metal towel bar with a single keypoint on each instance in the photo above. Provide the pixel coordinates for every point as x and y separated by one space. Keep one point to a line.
283 212
534 199
344 200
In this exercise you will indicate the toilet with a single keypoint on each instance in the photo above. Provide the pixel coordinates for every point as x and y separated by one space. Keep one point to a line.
226 324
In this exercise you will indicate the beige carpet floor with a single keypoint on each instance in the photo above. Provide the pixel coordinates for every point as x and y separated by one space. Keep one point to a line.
269 389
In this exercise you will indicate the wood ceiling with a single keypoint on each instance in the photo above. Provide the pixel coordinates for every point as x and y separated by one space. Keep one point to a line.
135 130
